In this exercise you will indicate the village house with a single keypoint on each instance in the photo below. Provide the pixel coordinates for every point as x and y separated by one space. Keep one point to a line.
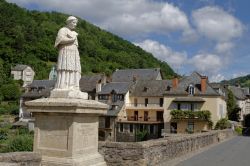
242 97
192 105
23 72
117 95
144 111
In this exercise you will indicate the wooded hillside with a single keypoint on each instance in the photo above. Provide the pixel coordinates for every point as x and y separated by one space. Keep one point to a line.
27 37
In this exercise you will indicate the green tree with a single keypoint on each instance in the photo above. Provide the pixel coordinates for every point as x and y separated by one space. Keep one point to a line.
232 108
10 91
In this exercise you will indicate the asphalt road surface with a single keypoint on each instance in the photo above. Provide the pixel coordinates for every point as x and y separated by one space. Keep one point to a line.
235 152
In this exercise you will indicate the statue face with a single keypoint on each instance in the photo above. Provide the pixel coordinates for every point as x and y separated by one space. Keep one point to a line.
72 24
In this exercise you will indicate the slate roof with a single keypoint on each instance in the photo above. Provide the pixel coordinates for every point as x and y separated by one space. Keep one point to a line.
88 83
195 80
39 88
153 88
141 74
238 92
19 67
118 87
115 112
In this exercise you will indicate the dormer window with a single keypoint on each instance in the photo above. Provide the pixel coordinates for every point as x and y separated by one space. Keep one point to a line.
168 88
145 89
191 89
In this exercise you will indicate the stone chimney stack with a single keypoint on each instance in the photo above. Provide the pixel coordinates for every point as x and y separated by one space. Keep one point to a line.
175 82
134 78
204 84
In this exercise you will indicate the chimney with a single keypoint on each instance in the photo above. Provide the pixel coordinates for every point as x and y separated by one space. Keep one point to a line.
204 84
175 83
134 78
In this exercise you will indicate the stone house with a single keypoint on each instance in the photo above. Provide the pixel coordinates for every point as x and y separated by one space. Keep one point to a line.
37 89
195 96
92 85
23 72
242 97
117 95
144 111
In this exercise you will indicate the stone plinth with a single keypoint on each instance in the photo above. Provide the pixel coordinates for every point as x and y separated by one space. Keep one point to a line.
66 131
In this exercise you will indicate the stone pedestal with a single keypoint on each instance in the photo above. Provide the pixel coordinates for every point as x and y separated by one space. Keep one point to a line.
66 131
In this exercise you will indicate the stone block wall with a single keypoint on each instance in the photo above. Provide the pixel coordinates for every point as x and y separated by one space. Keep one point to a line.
158 151
20 159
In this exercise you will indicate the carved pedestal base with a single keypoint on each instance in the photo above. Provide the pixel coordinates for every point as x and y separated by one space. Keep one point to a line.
66 131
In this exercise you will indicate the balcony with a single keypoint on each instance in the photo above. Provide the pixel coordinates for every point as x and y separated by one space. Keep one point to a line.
199 115
144 106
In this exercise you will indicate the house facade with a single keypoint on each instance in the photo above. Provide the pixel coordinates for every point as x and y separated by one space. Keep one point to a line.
23 72
242 97
192 105
144 111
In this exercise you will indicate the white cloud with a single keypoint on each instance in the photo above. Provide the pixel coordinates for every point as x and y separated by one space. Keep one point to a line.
224 47
206 63
129 17
164 53
216 24
216 78
235 75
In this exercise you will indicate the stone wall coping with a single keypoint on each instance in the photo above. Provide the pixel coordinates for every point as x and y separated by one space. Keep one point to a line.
163 141
60 105
16 157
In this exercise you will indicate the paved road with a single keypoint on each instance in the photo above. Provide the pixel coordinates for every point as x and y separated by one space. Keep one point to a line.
235 152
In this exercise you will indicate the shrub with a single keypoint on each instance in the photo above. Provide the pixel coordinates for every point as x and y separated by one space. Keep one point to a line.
19 143
238 130
222 124
179 114
4 133
142 135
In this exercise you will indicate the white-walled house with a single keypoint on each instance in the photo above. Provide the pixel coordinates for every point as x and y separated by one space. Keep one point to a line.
23 72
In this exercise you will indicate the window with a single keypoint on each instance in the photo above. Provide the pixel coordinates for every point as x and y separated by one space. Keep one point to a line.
103 97
161 102
121 127
168 88
190 127
159 115
145 89
136 116
185 106
107 122
151 129
146 102
135 102
191 89
145 115
179 106
131 128
114 97
120 97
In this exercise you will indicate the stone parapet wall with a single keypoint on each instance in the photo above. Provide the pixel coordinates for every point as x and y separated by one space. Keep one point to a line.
20 159
158 151
146 153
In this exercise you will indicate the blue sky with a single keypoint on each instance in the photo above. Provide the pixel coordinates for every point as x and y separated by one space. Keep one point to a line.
208 36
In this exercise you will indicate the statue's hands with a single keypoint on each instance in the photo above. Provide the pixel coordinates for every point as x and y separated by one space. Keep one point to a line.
73 35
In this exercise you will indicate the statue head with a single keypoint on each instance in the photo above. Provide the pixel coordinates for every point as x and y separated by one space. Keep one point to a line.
71 22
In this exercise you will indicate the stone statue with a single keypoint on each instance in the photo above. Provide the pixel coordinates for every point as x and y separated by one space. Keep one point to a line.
68 64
